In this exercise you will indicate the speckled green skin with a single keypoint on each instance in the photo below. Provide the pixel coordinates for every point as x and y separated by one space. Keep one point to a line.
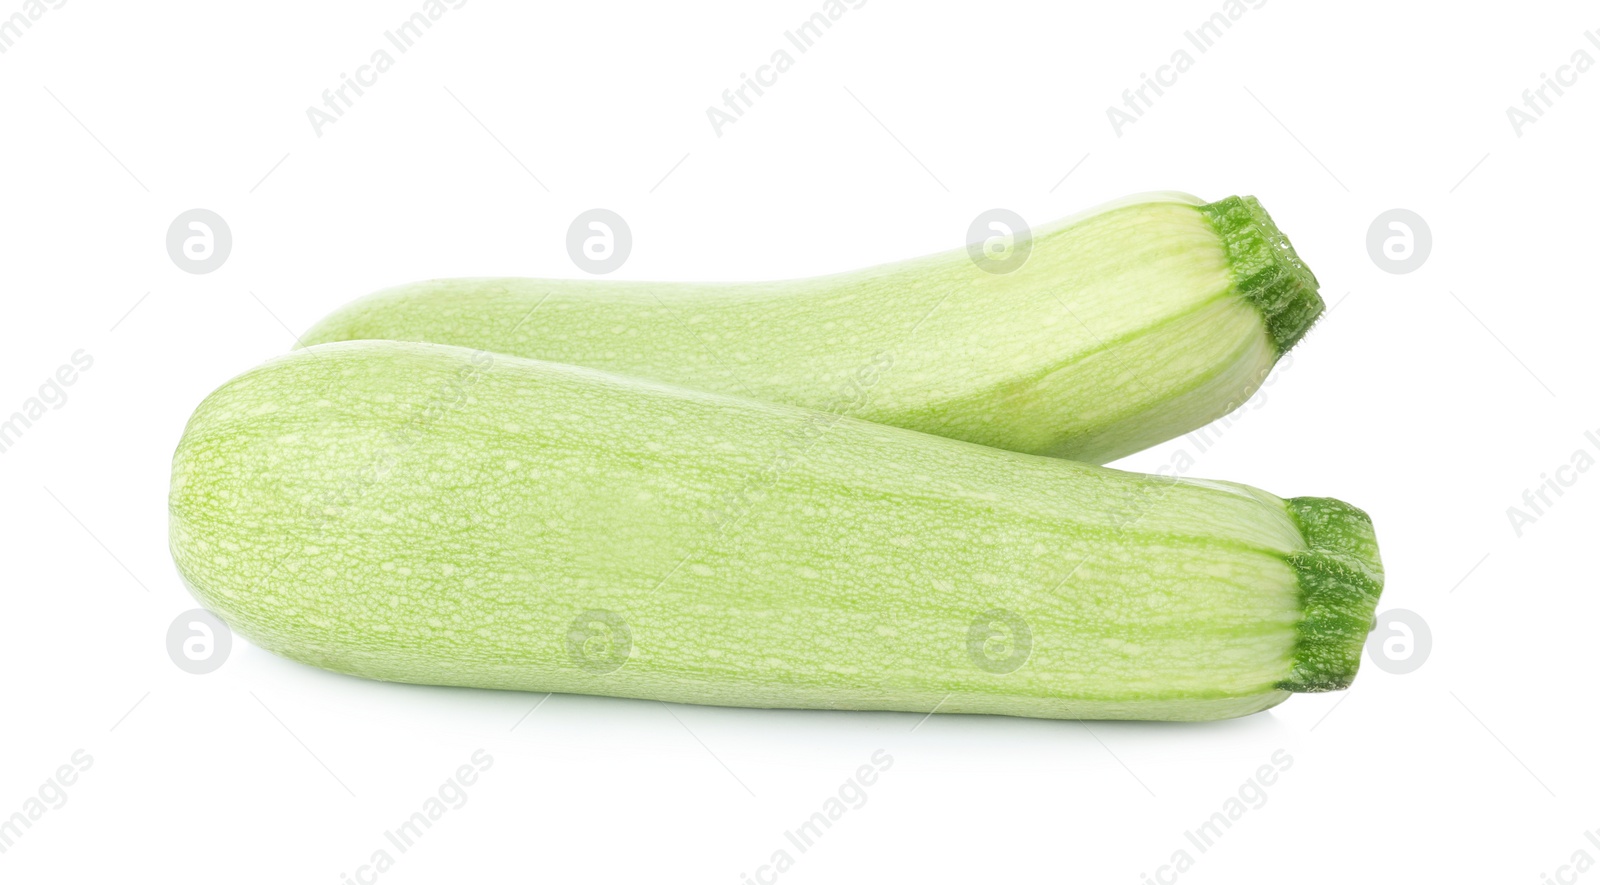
430 514
1126 326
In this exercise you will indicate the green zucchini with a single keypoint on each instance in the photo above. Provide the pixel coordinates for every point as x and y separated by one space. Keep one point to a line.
430 514
1123 327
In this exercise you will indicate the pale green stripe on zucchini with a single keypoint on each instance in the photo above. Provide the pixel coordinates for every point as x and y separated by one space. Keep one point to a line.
1126 326
430 514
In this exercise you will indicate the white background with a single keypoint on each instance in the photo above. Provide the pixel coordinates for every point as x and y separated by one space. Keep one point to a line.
1431 399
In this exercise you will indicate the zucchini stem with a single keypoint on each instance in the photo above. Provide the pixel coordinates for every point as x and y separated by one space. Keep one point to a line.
1267 270
1340 577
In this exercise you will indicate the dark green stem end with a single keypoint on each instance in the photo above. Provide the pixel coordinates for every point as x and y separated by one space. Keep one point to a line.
1266 269
1340 578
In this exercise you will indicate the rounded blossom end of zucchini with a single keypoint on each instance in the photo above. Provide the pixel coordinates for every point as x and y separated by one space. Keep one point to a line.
1266 269
1340 577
